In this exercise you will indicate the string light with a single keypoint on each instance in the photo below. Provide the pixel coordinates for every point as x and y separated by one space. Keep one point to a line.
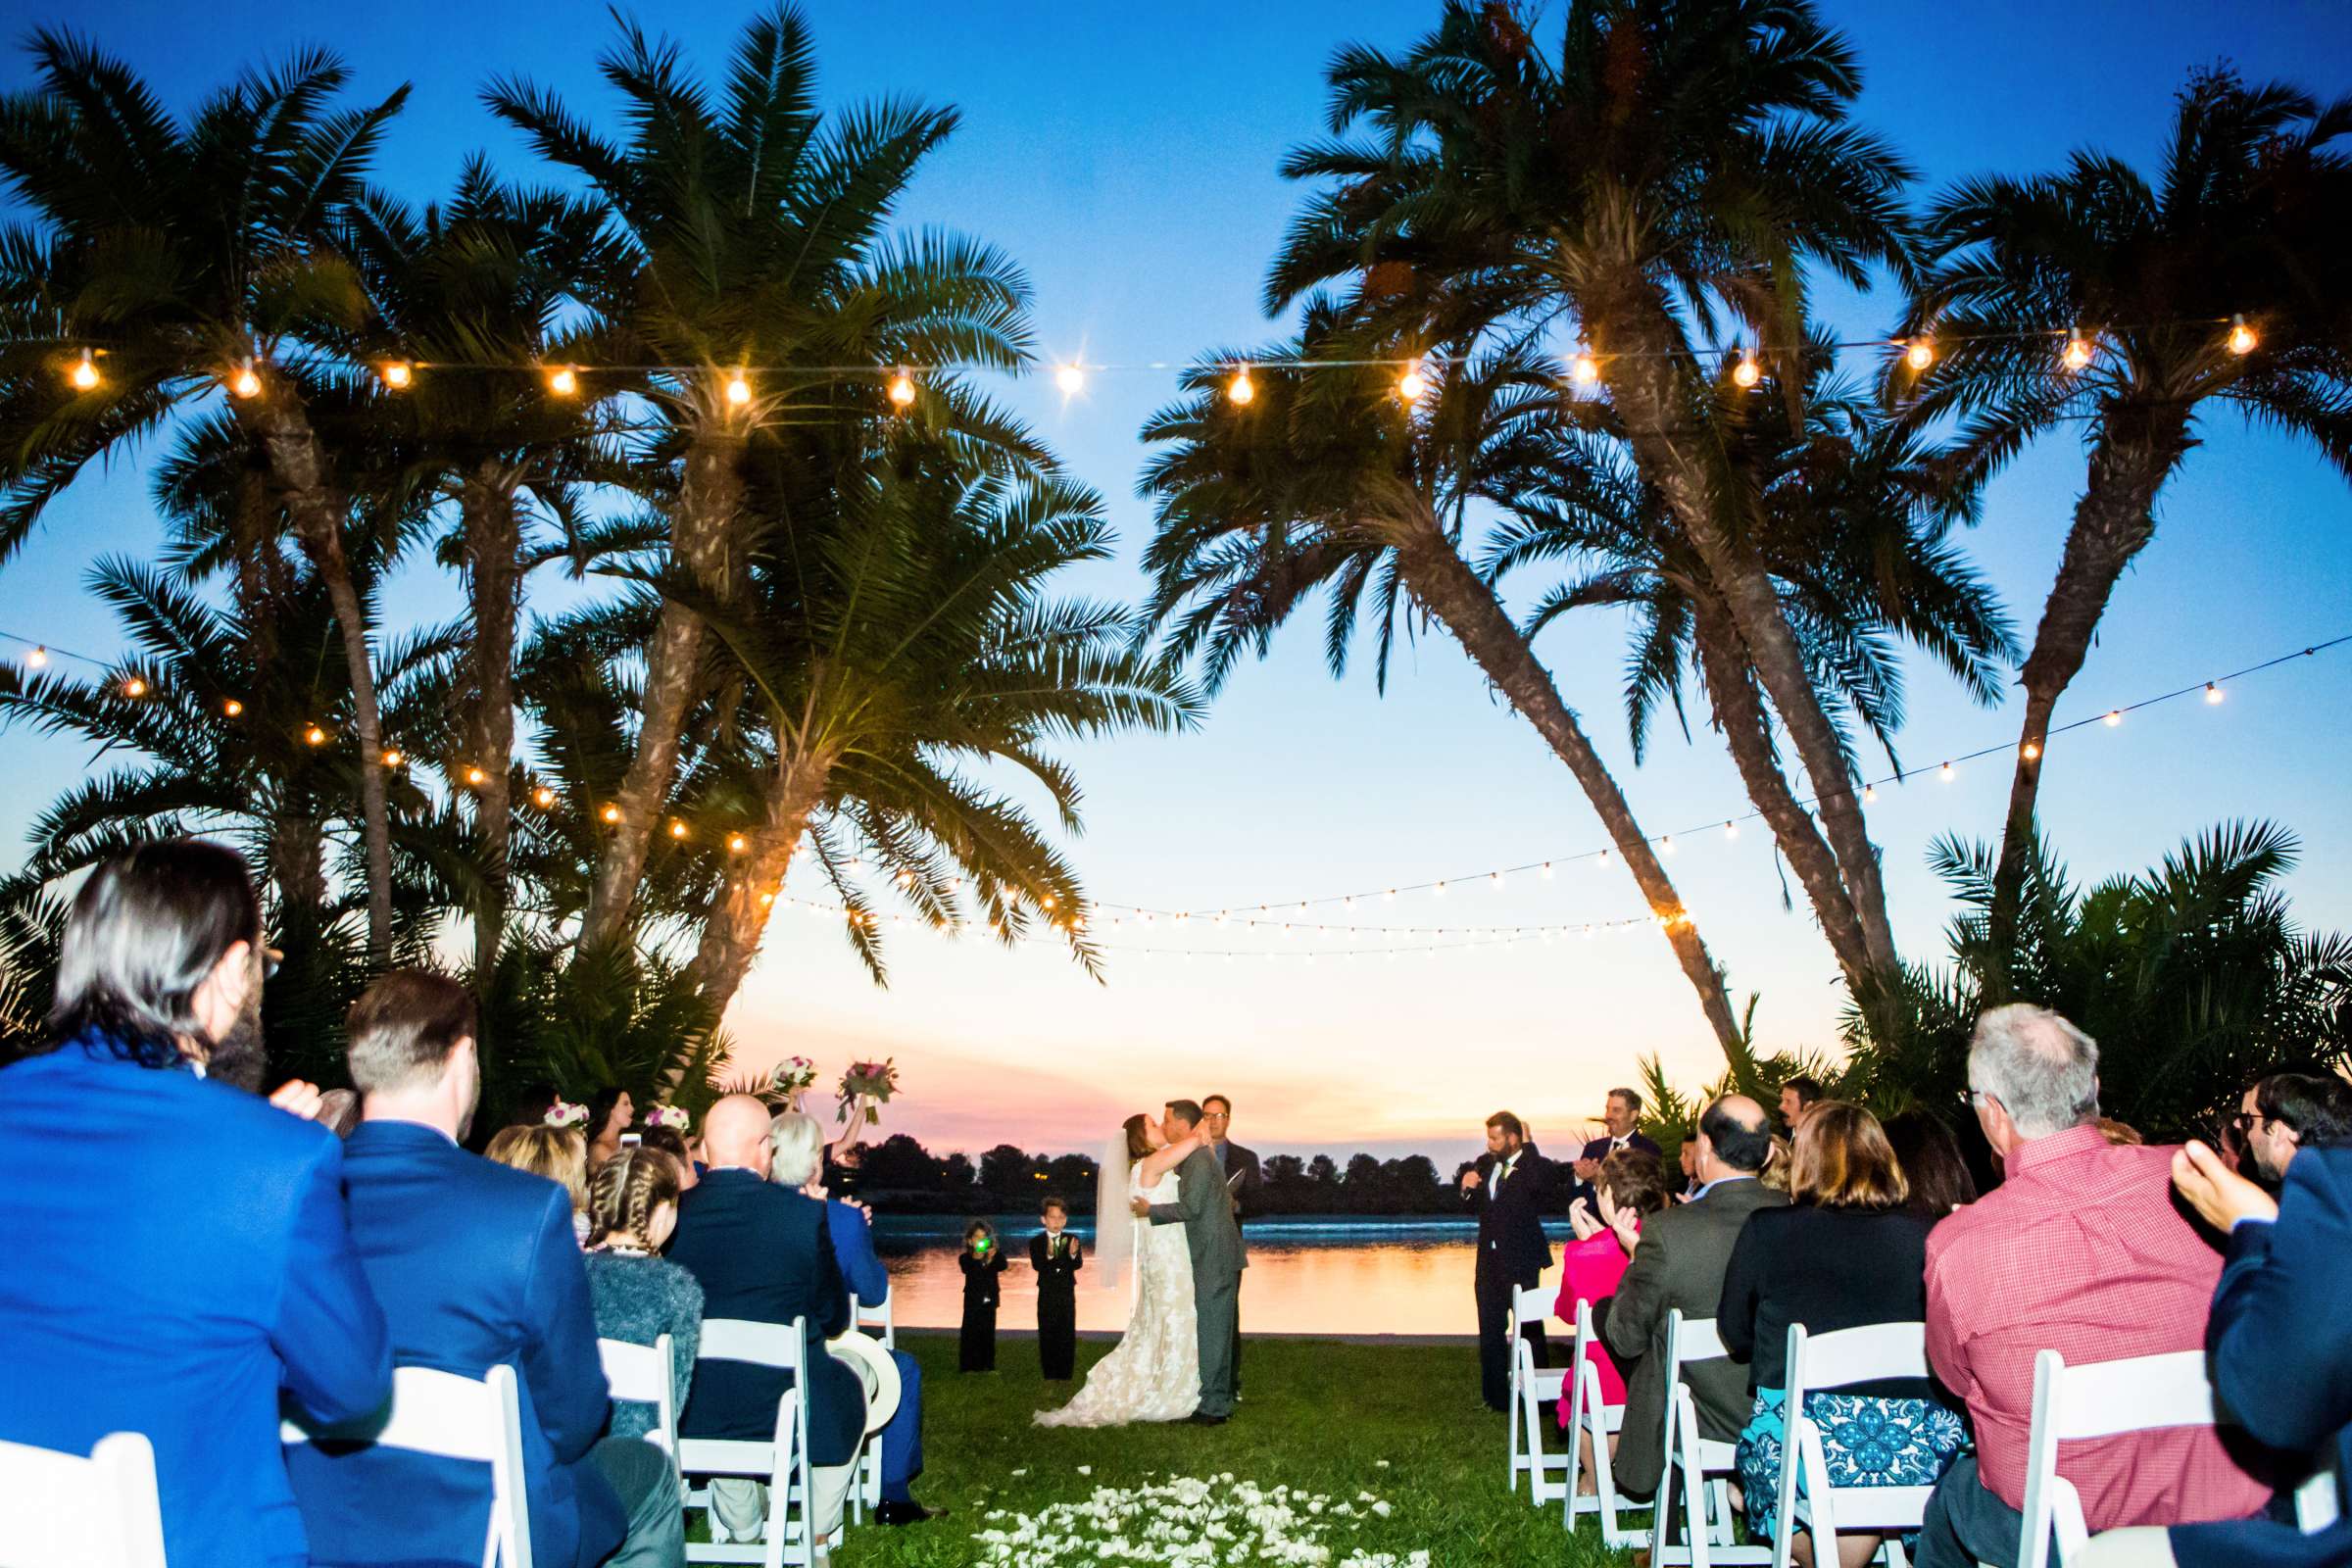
1870 792
677 829
1241 388
1946 772
1666 844
245 383
2115 716
476 777
2212 692
1411 384
38 659
84 375
1747 373
314 735
134 687
1731 830
2078 351
1585 369
901 390
737 844
544 797
393 759
232 708
1920 353
1071 378
2029 750
397 374
738 390
2241 337
610 813
562 381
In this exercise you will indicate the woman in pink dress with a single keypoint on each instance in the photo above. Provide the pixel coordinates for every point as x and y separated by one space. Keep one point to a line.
1629 1179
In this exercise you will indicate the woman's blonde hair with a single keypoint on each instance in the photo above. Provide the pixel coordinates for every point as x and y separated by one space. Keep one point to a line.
795 1149
626 1192
559 1154
1843 1160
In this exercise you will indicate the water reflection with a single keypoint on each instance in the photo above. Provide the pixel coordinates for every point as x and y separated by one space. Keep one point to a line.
1305 1276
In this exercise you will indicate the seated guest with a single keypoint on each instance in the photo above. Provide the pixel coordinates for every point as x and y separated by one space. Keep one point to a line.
1844 1253
765 1252
638 1295
2281 1362
2081 1251
1678 1261
476 1267
554 1153
1618 1116
795 1153
177 1248
1591 1269
1929 1156
671 1142
2287 1112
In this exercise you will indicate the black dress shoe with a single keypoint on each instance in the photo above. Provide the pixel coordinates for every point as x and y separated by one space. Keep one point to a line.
909 1512
1201 1418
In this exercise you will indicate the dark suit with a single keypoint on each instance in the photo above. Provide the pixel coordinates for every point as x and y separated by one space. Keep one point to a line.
176 1251
1682 1258
1512 1254
1205 1213
1244 1176
2281 1362
1600 1148
477 1266
764 1252
861 1270
1056 1260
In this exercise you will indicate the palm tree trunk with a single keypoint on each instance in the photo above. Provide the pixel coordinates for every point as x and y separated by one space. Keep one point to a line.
301 470
2113 522
1645 380
1444 584
492 539
738 917
702 543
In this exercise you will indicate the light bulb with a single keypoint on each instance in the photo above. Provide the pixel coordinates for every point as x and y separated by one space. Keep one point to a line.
1495 881
562 382
1241 388
1439 890
1666 844
2241 336
901 390
2029 751
1071 379
245 383
1547 868
38 659
610 813
737 844
766 899
475 776
1944 772
1584 369
738 390
2213 693
84 375
1411 384
392 759
677 829
2115 716
544 797
314 735
134 687
1747 373
1731 830
1921 353
1389 896
2078 351
1870 792
232 708
397 374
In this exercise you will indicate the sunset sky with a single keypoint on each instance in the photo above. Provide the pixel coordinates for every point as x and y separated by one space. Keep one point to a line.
1126 156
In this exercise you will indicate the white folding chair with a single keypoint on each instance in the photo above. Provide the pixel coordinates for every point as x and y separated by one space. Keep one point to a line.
642 1374
1839 1360
2097 1399
475 1419
1702 1464
878 1369
867 1493
1595 1422
2315 1500
98 1511
875 1315
1539 1391
781 1462
1529 1304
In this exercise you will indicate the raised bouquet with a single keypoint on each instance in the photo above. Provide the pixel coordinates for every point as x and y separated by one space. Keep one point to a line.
669 1116
867 1085
792 1075
563 1114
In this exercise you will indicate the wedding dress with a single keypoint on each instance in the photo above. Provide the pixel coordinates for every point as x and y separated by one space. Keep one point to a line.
1154 1373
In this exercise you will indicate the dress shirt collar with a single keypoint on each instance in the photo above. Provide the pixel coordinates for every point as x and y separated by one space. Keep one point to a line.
1723 1181
2056 1147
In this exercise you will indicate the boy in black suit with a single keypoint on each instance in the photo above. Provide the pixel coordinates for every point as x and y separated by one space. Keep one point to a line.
1056 1257
1508 1187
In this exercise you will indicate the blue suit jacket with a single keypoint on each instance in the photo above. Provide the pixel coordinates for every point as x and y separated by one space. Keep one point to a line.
852 1238
766 1254
2281 1360
177 1249
477 1266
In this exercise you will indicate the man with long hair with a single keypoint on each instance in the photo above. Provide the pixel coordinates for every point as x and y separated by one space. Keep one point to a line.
179 1250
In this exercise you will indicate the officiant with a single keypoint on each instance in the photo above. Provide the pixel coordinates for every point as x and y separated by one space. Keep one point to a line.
1242 1179
1508 1187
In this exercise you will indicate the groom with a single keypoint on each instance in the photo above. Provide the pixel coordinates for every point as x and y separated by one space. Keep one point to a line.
1204 1207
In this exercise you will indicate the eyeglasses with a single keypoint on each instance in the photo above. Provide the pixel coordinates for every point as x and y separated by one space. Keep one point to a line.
2245 1121
272 962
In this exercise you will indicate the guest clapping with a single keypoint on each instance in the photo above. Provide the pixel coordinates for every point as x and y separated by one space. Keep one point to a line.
638 1295
1632 1187
983 1264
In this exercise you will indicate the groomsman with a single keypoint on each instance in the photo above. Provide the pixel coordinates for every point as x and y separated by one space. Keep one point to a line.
1622 1111
1508 1189
1243 1178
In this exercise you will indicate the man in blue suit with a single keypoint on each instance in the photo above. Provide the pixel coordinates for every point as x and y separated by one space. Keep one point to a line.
764 1254
477 1266
2281 1362
177 1248
796 1155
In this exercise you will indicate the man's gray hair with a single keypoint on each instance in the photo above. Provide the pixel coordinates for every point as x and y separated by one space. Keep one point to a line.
2043 1070
797 1150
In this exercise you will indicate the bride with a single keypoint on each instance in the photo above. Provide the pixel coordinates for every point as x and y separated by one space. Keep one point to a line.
1154 1374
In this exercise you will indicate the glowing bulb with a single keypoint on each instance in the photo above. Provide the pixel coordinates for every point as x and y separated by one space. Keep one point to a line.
232 708
1584 369
2115 716
1547 868
1731 830
393 759
84 375
1747 373
677 829
1604 856
397 374
766 899
1666 844
1411 384
610 813
1389 896
1920 353
1439 890
562 382
1495 881
314 735
2241 336
38 659
2029 751
1944 772
2213 693
134 687
901 390
476 777
245 383
544 797
1071 378
738 390
1870 792
737 844
2078 351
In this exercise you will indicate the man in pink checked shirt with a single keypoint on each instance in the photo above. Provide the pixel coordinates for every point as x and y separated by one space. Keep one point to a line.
2081 1249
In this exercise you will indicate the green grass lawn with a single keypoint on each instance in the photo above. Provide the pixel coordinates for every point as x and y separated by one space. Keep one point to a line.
1318 1416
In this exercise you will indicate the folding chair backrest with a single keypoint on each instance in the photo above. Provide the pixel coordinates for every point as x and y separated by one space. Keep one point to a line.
98 1511
2098 1399
1532 1303
641 1374
742 1339
1593 1421
452 1417
781 1461
875 1315
1820 1363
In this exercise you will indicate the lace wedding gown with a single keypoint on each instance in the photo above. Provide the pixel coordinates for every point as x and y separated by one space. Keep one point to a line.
1154 1373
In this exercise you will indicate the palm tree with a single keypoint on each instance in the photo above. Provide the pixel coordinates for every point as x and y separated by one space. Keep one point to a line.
1324 481
191 255
2094 296
1853 525
758 236
1674 163
898 629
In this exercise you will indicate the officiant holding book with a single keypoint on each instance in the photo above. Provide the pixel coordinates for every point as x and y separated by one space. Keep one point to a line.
1243 1178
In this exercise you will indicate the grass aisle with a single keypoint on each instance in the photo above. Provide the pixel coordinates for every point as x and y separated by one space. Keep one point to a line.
1318 1416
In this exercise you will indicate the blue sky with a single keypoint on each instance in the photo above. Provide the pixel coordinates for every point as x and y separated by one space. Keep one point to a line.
1126 156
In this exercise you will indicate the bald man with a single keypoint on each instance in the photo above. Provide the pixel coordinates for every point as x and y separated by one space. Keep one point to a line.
765 1252
1678 1259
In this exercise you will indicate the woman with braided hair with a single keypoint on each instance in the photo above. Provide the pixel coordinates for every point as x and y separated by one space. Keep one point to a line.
640 1296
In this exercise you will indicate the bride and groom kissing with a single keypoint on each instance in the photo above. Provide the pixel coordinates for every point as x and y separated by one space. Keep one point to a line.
1173 1212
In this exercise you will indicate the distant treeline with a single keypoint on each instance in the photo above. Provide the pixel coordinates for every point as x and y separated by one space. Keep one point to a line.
898 1175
